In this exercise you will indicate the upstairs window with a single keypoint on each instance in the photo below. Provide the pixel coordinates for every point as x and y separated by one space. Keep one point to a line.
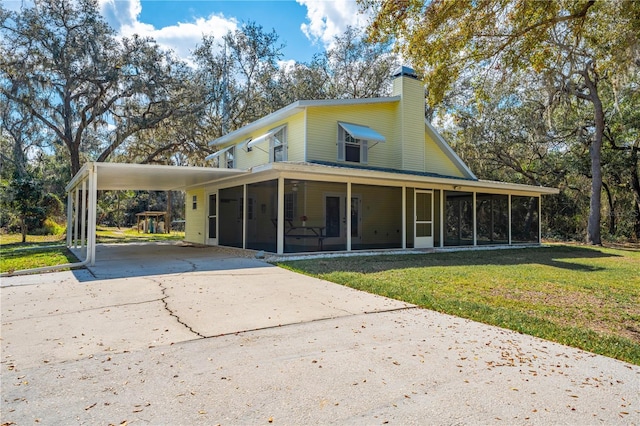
278 145
230 158
277 139
351 148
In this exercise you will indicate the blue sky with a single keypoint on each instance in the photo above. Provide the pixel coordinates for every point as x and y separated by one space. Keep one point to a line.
304 26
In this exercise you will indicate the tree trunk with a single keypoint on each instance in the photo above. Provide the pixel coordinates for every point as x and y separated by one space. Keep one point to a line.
75 161
612 212
23 229
635 185
593 227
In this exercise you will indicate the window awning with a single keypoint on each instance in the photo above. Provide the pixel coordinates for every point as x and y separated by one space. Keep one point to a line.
217 153
264 137
243 145
363 132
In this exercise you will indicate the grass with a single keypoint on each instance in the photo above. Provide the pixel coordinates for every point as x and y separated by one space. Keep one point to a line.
38 251
584 297
105 235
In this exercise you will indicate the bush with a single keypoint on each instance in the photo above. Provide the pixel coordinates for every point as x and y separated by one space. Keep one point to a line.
50 227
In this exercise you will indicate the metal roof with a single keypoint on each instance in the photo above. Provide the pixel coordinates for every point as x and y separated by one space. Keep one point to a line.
124 176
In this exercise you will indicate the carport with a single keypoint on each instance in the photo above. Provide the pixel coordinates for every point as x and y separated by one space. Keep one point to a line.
82 192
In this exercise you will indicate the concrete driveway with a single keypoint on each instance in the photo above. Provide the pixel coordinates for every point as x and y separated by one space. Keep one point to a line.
163 334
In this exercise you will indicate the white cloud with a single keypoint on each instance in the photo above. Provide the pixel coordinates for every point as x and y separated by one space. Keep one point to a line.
287 65
182 37
330 18
120 13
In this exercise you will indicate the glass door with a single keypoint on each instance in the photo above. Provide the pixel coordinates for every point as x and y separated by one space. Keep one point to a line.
212 216
423 223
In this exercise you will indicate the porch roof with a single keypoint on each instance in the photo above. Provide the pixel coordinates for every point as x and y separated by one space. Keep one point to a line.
407 177
150 177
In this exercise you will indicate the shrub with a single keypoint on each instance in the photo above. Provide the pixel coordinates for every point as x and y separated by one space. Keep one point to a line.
50 227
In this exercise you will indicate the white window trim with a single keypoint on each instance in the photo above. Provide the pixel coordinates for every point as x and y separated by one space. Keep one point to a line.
342 145
284 144
231 152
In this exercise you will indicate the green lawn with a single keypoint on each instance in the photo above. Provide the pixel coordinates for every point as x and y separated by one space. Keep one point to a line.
37 251
580 296
105 235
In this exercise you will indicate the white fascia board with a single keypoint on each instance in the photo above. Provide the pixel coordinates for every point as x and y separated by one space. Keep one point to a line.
281 114
449 152
292 109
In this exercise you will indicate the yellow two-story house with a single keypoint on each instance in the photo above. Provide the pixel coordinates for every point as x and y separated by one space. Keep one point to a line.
354 174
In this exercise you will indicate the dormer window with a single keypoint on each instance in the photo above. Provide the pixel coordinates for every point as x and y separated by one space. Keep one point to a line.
350 148
230 158
354 142
277 139
278 145
223 158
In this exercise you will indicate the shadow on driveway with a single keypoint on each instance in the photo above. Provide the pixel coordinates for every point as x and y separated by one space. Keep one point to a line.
148 259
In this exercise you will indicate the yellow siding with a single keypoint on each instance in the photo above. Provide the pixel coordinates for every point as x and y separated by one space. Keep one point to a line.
437 161
322 132
195 219
296 137
410 118
260 155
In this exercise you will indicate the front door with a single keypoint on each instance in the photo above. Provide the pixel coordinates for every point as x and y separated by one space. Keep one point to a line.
336 219
423 223
212 216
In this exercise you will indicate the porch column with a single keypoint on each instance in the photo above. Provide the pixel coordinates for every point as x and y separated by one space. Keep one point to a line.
83 220
441 218
475 221
509 209
244 216
539 219
93 203
75 217
348 218
69 218
404 217
280 226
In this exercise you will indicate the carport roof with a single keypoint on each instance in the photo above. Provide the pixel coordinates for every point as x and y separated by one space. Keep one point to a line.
125 176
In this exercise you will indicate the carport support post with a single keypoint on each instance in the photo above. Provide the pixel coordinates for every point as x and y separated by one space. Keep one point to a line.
69 218
280 219
83 220
93 202
75 217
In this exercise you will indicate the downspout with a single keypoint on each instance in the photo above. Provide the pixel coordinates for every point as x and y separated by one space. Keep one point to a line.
48 268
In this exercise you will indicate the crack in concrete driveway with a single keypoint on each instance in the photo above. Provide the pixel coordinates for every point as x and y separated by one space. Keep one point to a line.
114 348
